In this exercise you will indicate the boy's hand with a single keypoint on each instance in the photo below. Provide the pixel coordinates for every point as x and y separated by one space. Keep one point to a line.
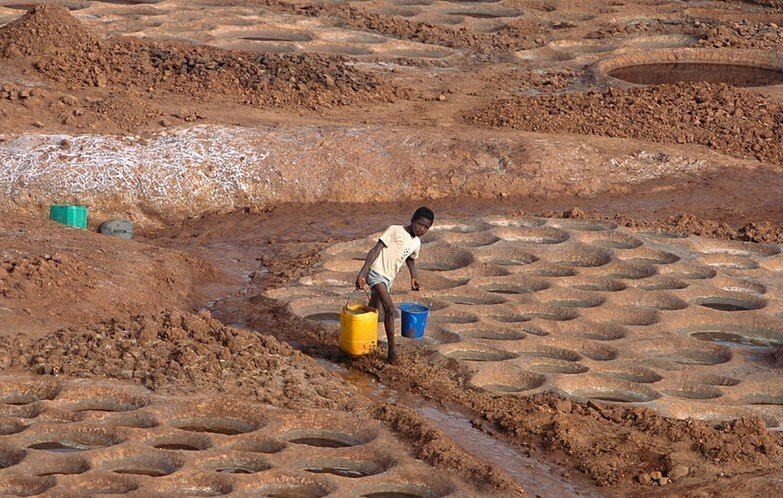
361 282
414 285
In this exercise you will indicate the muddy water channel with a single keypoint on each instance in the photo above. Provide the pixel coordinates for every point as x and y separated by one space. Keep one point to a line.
536 477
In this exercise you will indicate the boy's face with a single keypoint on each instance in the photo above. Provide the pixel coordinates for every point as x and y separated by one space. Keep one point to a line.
419 226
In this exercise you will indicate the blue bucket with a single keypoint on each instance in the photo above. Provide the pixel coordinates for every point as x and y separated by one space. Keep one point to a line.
414 319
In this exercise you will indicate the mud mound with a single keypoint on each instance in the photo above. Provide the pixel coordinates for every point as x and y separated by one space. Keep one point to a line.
721 117
44 30
75 277
179 68
176 352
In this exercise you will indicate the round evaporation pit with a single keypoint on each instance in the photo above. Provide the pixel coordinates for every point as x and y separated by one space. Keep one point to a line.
763 399
278 36
238 464
616 394
352 469
65 446
328 318
400 490
693 391
634 374
676 72
322 438
508 380
290 490
493 334
722 303
141 464
476 354
226 426
738 336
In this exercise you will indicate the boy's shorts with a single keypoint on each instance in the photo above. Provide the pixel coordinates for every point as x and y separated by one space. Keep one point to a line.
374 278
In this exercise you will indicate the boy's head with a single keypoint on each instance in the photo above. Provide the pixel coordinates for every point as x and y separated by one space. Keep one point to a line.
421 221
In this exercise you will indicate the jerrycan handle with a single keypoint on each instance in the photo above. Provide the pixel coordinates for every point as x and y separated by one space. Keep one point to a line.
352 293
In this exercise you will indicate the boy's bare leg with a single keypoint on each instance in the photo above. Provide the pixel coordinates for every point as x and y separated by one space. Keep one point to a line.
387 304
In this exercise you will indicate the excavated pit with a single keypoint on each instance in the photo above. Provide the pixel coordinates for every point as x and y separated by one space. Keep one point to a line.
678 72
740 68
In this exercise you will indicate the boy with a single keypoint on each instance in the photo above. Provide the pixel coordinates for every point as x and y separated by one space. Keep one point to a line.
396 246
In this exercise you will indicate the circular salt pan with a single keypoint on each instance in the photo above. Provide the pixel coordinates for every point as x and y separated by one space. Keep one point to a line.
741 68
678 72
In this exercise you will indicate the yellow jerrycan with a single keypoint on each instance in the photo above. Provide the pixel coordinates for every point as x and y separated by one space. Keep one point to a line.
358 327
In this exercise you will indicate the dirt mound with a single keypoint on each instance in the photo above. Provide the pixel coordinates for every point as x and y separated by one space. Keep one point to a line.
724 118
52 276
175 352
44 30
79 58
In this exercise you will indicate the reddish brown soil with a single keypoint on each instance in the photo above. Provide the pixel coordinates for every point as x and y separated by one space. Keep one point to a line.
52 276
130 74
743 34
724 118
173 352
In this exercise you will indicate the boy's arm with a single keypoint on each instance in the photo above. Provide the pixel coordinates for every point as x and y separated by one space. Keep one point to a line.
414 274
361 280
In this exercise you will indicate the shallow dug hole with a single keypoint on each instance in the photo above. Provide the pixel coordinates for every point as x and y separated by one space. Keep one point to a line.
669 73
320 438
604 389
736 335
226 426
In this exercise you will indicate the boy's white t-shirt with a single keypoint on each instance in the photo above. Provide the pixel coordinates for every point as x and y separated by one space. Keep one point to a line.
399 246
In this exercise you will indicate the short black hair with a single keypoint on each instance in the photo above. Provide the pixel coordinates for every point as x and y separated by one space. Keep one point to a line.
424 212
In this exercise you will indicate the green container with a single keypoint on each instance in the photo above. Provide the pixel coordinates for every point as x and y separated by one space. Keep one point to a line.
74 216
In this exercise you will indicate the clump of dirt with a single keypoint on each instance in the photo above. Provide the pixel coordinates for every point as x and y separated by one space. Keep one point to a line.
44 30
721 117
178 352
432 445
743 34
518 34
81 59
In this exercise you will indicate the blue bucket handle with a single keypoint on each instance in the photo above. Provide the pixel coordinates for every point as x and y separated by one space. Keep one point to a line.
424 301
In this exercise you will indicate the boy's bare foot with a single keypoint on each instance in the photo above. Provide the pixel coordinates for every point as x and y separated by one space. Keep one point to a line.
392 358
